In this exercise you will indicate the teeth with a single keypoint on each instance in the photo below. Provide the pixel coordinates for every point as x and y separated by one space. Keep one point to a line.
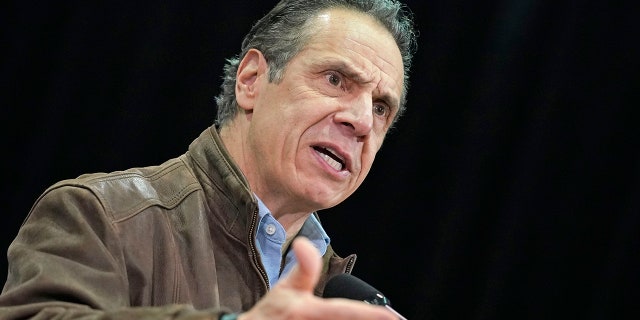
332 162
331 157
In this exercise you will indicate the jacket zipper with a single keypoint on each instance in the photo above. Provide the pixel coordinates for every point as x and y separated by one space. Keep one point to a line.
350 264
254 252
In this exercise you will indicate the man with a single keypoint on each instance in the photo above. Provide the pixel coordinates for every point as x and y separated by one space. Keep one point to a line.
229 229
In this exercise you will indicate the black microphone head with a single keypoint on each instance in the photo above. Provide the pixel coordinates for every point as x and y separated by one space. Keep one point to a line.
351 287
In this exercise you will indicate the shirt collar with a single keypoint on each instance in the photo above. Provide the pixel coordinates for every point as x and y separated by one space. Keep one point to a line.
311 229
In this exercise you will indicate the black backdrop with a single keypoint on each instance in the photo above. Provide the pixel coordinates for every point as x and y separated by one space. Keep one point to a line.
510 189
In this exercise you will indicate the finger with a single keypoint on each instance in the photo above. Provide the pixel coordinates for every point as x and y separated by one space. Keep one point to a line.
305 275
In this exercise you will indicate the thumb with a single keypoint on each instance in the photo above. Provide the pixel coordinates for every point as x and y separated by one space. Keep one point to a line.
304 276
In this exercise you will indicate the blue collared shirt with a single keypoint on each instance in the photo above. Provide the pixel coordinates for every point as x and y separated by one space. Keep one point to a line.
271 236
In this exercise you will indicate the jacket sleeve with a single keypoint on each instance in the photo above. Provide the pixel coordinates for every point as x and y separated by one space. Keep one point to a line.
67 263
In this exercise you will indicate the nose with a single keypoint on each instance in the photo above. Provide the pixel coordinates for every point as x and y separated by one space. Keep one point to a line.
357 115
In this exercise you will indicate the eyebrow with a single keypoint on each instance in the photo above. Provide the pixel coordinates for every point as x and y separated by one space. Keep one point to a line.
362 78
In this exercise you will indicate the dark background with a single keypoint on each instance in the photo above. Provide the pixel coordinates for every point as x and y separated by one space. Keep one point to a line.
509 190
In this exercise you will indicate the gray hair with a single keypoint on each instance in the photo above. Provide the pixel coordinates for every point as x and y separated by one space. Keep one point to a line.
283 32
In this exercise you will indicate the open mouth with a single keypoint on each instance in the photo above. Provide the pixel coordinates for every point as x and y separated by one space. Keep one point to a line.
331 157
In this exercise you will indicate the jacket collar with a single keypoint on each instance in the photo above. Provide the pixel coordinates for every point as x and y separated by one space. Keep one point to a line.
223 182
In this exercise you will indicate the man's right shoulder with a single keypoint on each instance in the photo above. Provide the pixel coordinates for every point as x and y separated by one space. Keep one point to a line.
125 193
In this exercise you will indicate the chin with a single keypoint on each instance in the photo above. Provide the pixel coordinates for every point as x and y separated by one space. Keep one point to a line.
327 201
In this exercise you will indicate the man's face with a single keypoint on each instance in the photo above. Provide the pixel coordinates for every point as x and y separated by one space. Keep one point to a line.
314 135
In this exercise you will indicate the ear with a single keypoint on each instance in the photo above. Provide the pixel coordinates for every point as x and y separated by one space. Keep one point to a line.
250 71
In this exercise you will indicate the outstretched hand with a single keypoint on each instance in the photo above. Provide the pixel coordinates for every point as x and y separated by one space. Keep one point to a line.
292 297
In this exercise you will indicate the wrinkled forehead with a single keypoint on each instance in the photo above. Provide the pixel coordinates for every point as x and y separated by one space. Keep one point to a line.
364 43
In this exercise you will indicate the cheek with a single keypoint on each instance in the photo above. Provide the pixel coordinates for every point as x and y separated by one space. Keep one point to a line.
369 152
366 160
372 146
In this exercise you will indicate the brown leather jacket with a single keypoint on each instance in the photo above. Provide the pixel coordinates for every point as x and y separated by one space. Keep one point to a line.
172 241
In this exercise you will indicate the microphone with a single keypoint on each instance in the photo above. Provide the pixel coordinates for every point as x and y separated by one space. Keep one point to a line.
351 287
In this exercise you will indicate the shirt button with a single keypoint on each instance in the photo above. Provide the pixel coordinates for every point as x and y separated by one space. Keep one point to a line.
270 229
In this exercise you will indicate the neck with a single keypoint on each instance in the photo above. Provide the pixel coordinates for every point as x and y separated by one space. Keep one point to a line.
292 223
233 136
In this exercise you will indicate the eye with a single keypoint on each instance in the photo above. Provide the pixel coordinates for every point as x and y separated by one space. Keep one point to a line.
334 78
381 109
